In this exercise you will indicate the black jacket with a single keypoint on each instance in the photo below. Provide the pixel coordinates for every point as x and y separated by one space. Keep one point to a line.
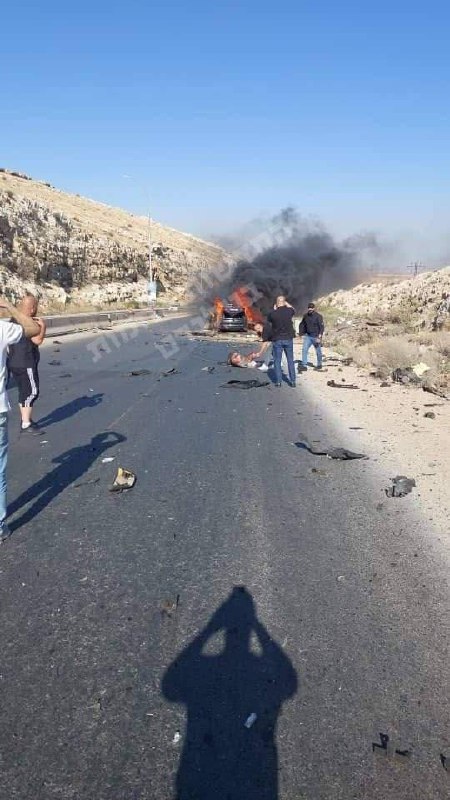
281 321
311 324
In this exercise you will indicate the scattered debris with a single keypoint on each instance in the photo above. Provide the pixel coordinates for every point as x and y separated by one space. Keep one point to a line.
208 369
176 737
420 369
405 375
108 459
337 453
54 363
404 753
445 761
401 486
56 341
335 385
173 371
430 415
434 390
66 375
319 472
136 372
251 720
384 385
169 607
250 384
356 428
125 479
384 739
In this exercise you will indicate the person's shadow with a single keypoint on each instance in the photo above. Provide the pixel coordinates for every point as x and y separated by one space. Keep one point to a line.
70 466
222 758
69 409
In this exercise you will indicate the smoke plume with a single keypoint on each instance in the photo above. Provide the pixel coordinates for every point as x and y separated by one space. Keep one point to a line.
295 257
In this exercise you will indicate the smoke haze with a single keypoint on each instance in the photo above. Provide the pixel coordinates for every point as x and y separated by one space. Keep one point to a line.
296 257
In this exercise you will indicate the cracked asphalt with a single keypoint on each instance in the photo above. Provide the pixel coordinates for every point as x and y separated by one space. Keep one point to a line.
241 575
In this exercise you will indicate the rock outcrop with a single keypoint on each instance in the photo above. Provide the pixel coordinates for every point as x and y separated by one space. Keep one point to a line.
423 300
75 251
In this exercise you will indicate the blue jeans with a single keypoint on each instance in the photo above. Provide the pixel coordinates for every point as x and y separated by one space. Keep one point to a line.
286 346
311 341
3 460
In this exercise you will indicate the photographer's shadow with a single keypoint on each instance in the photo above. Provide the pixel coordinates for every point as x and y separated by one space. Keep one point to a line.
222 758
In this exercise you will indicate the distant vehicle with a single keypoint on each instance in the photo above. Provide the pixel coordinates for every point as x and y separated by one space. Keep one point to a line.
233 319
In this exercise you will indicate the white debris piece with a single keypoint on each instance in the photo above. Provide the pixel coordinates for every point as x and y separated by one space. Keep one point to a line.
250 720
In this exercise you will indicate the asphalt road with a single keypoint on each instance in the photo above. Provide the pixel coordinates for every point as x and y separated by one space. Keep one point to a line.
139 631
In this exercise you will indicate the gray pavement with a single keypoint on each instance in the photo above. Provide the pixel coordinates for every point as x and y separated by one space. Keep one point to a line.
139 631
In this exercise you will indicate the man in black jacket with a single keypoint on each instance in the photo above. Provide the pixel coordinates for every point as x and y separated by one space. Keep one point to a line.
311 328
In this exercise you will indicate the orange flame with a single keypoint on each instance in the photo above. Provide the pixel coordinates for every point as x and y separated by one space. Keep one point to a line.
218 306
241 298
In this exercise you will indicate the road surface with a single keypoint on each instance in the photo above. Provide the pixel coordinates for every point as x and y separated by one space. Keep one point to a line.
241 575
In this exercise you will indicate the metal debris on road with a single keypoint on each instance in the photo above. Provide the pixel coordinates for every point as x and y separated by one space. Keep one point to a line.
208 369
108 459
336 453
250 720
401 486
404 753
250 384
66 375
176 737
125 479
445 761
335 385
54 363
430 415
136 372
173 371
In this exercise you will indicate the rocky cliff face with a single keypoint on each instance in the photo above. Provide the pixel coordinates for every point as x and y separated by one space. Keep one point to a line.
78 252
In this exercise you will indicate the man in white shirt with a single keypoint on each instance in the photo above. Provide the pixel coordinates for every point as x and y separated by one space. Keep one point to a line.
10 333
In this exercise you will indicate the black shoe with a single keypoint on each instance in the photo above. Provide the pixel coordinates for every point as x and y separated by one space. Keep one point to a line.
301 368
318 368
292 384
33 429
278 384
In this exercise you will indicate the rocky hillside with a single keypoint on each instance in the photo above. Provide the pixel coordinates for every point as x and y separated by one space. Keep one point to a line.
418 301
81 253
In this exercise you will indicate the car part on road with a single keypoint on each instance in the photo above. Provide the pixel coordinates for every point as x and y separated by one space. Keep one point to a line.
335 385
137 372
336 453
384 739
434 390
401 486
125 479
250 384
54 363
173 371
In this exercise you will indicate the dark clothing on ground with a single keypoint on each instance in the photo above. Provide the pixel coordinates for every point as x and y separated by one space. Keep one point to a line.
27 381
23 360
281 321
312 325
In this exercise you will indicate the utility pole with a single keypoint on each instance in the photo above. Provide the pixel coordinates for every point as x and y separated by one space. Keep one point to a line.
416 268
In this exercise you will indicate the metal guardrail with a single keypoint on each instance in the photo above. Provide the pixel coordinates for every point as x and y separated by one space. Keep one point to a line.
86 320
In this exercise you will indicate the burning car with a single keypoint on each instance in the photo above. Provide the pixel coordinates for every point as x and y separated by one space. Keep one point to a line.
238 315
233 318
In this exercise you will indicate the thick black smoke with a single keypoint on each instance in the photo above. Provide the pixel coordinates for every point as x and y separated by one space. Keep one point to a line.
297 258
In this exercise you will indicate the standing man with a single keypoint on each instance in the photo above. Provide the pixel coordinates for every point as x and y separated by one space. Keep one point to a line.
23 360
311 328
10 334
282 338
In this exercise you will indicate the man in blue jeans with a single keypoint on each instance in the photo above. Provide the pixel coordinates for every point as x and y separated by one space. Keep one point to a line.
282 338
311 328
10 333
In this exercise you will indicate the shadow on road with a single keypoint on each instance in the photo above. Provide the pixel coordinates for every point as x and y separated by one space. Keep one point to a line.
222 758
70 409
70 466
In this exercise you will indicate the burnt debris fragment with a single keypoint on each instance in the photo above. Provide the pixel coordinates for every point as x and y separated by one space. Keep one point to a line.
401 486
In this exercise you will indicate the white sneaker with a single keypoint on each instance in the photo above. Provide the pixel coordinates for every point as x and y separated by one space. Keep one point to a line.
263 368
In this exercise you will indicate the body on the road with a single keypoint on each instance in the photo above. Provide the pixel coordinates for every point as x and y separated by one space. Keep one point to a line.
282 338
23 360
311 328
10 334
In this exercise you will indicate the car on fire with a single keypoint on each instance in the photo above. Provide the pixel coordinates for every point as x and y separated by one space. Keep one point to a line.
233 319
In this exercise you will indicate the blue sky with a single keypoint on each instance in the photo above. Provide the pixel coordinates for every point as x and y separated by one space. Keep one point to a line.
223 111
